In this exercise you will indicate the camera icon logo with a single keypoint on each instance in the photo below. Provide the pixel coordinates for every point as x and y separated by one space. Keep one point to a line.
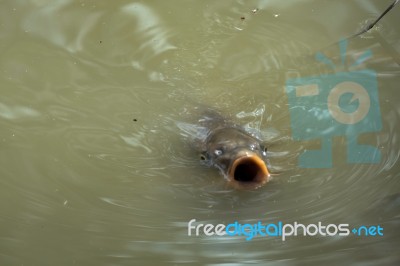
338 104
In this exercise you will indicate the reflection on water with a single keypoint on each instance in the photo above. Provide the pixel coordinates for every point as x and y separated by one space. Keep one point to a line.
95 170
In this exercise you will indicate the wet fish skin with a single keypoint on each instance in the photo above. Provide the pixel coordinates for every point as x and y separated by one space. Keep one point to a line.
240 156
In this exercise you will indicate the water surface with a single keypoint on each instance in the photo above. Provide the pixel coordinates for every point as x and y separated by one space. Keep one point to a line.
94 170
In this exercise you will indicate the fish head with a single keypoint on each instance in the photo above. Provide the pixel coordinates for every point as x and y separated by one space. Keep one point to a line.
239 156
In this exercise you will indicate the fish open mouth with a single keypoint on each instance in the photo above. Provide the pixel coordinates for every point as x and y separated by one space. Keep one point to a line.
248 171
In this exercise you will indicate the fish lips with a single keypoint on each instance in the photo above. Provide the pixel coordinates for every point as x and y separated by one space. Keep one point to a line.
248 170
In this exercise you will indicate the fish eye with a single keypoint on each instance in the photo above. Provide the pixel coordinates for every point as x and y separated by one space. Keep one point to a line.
218 152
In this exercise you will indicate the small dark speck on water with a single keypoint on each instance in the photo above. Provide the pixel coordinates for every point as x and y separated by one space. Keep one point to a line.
242 18
134 120
101 41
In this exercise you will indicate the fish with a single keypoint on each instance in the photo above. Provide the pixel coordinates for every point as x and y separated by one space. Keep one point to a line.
239 155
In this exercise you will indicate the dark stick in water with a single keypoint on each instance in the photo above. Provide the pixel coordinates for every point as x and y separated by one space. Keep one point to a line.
372 24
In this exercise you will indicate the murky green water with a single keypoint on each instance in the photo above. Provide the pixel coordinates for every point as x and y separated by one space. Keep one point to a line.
94 170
